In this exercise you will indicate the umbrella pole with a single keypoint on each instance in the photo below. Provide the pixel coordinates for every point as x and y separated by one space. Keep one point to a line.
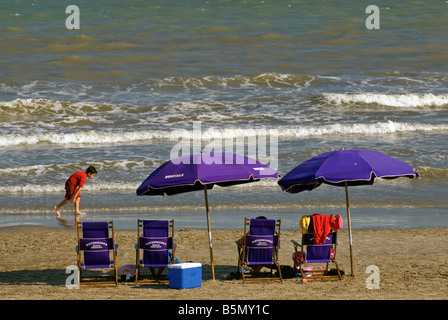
209 233
349 229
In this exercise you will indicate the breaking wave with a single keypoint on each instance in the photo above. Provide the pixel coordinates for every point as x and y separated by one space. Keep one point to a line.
389 100
40 169
428 175
95 137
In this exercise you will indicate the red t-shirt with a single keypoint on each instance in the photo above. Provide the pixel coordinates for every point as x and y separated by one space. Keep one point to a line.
77 179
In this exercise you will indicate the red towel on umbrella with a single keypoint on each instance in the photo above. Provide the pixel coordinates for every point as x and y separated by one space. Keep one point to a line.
322 226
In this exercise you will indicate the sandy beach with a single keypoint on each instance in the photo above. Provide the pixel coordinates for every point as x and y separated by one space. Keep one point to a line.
126 86
413 264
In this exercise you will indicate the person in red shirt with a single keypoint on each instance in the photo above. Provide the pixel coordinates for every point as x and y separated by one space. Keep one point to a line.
73 187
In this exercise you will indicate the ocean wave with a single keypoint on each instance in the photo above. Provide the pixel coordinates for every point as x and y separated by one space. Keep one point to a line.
295 205
433 174
389 100
428 175
122 186
89 137
24 108
152 87
53 188
101 165
96 137
359 128
54 113
261 80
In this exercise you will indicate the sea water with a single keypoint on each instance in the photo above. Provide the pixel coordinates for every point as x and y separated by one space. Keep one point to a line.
114 93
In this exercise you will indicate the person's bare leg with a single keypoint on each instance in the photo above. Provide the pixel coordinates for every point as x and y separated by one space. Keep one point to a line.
77 212
59 206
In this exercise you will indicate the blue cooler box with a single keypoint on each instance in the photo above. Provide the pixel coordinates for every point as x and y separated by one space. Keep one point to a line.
185 275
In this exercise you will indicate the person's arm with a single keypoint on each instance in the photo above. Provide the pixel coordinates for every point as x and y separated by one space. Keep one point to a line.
75 194
240 242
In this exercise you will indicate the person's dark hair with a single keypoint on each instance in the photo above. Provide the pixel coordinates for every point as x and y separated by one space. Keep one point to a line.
261 217
91 170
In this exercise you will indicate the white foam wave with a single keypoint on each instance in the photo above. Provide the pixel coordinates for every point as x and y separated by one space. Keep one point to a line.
37 170
270 80
89 137
94 137
248 206
389 100
52 188
129 186
42 108
357 128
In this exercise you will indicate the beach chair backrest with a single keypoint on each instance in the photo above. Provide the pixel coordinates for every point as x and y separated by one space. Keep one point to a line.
155 242
96 252
262 227
319 253
96 244
308 239
261 240
93 229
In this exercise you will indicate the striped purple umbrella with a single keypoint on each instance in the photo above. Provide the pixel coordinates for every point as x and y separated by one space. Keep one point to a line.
202 172
345 168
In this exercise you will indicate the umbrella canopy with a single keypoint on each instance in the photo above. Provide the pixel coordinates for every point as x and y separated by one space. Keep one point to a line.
201 172
345 168
356 167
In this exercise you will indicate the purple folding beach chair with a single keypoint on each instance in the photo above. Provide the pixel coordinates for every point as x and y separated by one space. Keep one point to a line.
96 250
259 248
154 248
307 254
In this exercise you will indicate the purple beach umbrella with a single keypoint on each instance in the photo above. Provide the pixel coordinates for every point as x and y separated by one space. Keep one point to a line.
345 168
202 172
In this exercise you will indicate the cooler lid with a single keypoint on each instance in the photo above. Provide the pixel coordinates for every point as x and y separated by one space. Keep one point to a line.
185 265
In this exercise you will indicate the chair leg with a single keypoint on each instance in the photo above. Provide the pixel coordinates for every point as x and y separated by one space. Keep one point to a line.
80 275
156 275
137 266
240 267
337 268
279 272
115 266
242 273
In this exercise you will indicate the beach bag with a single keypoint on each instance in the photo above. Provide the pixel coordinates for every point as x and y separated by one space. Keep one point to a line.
126 272
337 223
301 257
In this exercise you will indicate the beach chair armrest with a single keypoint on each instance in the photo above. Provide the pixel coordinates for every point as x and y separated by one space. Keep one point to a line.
296 244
